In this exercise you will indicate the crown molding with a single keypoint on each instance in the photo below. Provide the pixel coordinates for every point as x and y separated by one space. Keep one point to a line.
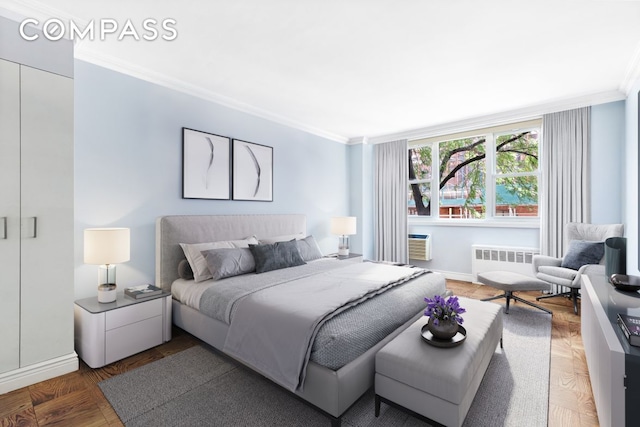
359 140
526 113
161 79
632 76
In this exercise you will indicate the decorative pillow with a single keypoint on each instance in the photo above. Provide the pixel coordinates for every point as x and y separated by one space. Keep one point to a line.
193 253
229 262
309 249
275 256
582 252
281 238
184 270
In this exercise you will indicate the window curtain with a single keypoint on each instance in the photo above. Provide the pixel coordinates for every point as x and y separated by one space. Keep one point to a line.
565 173
390 200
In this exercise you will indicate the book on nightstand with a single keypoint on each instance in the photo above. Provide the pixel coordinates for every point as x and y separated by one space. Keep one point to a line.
142 291
630 326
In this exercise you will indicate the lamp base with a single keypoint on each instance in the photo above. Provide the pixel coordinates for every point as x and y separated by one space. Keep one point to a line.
106 293
343 252
343 246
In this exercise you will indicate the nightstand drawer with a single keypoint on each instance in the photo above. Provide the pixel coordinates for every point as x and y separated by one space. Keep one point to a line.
133 313
131 339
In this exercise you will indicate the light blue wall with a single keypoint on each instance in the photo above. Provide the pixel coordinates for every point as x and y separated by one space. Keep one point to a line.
630 187
451 246
361 200
607 162
128 166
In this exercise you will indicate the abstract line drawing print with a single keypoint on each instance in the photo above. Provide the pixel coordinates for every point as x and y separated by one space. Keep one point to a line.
252 171
206 169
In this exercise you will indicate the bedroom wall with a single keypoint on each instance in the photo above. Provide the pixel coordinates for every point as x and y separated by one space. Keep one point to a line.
451 245
128 166
630 183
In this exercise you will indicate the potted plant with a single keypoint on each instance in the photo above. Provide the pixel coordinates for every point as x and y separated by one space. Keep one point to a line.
444 316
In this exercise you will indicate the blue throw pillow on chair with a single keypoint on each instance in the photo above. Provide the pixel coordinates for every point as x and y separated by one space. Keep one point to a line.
582 252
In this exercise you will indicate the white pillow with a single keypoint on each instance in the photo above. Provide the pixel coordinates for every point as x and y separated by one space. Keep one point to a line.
193 253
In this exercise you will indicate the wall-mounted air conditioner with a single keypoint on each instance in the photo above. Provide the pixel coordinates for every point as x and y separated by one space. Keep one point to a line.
420 246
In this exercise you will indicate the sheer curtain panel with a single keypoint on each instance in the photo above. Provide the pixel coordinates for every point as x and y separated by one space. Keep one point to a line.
390 199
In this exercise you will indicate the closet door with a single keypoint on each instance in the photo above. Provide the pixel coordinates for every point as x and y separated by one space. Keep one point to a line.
9 215
46 247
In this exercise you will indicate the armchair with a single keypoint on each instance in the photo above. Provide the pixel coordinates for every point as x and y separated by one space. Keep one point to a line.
556 270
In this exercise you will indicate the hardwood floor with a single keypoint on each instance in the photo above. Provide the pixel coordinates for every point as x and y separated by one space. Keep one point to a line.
75 399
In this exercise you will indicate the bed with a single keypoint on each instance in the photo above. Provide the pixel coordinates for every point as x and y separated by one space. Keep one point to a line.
331 389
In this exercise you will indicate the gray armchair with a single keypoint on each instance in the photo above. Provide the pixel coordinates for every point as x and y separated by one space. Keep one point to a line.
550 269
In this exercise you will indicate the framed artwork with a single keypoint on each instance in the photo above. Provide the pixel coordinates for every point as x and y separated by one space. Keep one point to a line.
206 165
252 171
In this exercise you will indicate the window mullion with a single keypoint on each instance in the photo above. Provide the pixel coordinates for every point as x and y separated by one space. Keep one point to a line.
435 180
490 181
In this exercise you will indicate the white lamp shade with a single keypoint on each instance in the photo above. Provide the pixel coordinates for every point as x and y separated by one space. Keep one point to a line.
343 225
106 245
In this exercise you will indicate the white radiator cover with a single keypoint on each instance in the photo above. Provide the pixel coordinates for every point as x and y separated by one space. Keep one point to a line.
505 258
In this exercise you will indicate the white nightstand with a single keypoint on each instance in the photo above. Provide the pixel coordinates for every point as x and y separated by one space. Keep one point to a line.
108 332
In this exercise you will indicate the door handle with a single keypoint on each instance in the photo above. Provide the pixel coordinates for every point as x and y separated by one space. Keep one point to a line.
32 231
35 227
4 227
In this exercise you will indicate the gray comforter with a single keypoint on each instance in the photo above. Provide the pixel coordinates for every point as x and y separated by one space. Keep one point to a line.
273 329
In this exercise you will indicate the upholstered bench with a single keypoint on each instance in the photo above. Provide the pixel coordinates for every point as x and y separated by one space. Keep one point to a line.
436 383
510 282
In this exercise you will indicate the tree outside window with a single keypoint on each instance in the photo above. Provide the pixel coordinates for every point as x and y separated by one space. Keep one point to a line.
464 187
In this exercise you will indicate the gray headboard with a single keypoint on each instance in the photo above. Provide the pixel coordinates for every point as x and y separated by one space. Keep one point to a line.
176 229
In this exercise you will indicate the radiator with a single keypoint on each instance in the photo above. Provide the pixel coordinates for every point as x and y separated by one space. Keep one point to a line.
490 258
420 246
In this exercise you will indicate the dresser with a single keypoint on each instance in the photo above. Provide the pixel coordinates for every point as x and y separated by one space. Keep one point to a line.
614 365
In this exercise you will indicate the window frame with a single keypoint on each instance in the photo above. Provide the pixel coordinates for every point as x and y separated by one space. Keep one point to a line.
492 175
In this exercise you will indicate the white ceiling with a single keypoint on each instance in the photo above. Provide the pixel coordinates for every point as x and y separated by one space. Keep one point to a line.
364 68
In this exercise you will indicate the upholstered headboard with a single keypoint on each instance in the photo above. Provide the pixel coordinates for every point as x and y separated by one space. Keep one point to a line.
176 229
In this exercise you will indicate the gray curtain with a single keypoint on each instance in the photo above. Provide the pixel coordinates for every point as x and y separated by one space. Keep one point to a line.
565 173
390 201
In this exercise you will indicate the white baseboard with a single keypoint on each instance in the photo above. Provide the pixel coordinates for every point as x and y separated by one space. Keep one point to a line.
452 275
42 371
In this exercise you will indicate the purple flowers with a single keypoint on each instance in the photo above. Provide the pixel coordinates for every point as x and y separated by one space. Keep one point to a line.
440 309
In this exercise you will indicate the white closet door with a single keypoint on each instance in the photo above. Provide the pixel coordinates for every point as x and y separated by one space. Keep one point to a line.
47 216
9 215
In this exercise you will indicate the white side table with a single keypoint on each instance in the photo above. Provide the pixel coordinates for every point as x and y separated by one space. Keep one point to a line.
105 333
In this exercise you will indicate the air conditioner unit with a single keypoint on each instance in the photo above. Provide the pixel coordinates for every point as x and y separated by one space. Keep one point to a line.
420 246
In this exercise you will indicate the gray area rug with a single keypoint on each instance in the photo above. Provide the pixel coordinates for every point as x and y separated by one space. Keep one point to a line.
198 387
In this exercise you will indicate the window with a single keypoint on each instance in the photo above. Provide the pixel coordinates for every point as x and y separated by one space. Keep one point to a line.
420 164
490 173
516 176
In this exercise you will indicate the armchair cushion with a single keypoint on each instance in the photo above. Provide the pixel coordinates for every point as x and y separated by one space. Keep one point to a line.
582 252
559 272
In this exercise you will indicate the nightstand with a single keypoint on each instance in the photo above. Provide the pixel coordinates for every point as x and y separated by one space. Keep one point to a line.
108 332
352 257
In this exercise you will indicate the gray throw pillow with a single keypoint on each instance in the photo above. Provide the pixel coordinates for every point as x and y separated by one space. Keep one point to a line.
582 252
228 262
184 270
276 256
309 249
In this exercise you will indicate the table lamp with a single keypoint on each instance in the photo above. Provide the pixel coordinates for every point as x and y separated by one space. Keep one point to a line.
343 226
106 247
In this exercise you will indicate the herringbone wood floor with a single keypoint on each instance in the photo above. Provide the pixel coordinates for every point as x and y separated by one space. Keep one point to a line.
75 399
